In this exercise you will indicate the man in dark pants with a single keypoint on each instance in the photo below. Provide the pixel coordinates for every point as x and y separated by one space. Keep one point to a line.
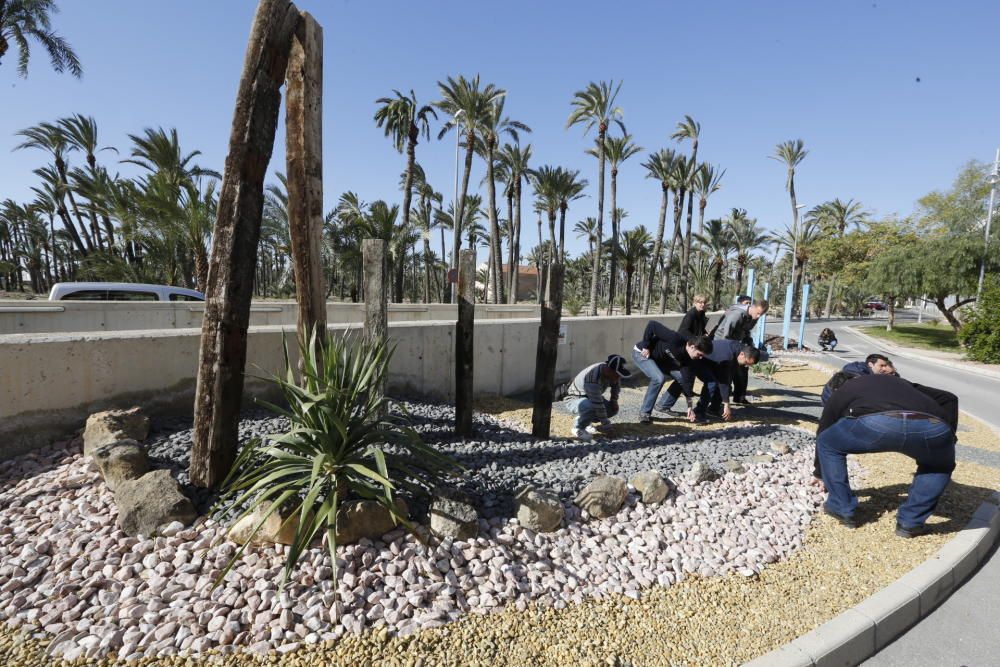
736 325
663 352
885 413
715 370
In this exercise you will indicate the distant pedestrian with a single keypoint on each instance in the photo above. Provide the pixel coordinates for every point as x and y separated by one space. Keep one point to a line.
663 352
695 322
884 413
828 339
586 395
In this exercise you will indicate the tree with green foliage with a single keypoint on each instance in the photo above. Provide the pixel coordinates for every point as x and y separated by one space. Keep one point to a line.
21 20
980 333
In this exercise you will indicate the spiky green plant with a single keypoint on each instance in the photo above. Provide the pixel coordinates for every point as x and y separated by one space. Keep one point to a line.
343 440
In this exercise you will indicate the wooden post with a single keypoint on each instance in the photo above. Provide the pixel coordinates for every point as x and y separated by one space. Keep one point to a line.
376 269
546 354
234 243
303 152
463 342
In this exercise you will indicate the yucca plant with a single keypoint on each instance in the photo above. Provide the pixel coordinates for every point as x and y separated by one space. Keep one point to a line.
343 441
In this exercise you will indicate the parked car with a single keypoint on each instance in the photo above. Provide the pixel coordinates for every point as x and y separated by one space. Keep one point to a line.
121 292
874 305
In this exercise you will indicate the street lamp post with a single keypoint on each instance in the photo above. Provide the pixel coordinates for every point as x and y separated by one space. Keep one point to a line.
993 180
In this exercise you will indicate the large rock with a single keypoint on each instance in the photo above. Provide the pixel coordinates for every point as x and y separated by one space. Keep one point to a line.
274 530
453 514
603 497
733 466
701 472
540 511
105 428
151 501
366 518
651 486
121 461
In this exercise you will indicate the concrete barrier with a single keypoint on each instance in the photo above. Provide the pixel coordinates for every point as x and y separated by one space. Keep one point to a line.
31 317
49 383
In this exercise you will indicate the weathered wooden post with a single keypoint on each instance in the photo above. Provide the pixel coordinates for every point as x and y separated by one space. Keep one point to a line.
463 342
234 244
303 149
546 354
376 269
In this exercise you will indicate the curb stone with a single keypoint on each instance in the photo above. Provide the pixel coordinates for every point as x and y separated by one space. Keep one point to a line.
913 353
858 633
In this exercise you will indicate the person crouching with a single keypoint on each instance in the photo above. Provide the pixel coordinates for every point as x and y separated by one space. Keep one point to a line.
586 395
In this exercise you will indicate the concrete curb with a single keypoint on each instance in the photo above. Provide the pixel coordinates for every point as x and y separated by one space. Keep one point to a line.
912 353
862 631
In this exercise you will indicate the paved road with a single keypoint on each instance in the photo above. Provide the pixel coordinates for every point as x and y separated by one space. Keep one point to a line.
962 631
977 393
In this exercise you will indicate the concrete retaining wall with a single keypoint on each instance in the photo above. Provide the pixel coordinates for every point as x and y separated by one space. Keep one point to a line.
29 317
49 383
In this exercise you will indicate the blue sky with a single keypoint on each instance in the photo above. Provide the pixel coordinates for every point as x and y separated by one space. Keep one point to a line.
842 76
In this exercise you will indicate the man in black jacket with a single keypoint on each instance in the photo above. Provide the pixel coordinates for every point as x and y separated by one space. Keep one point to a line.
695 322
663 352
715 370
885 413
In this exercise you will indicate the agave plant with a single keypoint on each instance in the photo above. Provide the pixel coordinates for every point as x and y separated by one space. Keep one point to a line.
343 441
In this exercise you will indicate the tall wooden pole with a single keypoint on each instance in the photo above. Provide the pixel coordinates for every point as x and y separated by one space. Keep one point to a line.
234 244
546 354
376 273
463 342
303 154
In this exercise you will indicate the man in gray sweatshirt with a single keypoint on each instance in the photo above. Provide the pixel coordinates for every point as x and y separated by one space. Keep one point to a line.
585 395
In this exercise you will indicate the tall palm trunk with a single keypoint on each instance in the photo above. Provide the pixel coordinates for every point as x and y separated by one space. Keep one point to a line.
829 296
687 254
596 274
665 278
613 269
539 261
470 142
424 205
795 232
491 189
511 284
70 227
552 256
647 297
562 233
628 291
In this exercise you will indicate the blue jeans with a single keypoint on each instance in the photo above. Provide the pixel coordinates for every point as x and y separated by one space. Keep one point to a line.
585 412
656 379
930 442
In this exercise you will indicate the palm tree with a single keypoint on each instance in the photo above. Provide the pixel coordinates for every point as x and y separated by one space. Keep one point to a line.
718 243
799 245
835 217
494 125
688 129
659 166
425 216
569 188
707 181
681 176
635 249
616 151
791 153
24 19
513 170
404 120
81 134
463 98
746 237
587 229
594 106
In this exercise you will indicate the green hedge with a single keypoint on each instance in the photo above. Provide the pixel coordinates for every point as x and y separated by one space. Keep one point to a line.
981 331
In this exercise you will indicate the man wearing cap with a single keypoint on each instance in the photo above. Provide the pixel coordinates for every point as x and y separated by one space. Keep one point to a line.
586 395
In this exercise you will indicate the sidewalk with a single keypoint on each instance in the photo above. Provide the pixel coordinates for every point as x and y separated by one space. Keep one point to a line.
949 359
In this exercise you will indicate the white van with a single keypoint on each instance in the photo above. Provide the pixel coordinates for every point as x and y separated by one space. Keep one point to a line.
121 292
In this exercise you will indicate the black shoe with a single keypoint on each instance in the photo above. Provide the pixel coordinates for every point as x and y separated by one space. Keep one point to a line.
847 521
645 419
915 531
714 412
669 412
700 419
743 400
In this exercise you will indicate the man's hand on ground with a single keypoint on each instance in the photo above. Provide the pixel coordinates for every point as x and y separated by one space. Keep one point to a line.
690 416
727 412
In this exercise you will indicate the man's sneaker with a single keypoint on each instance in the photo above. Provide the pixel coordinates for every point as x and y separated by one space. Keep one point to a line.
645 419
593 430
581 434
915 531
847 521
713 412
743 400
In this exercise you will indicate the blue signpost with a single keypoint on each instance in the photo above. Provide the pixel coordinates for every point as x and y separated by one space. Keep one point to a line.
805 307
751 283
787 324
762 325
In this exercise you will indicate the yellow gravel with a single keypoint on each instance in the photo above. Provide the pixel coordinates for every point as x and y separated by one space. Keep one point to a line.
715 621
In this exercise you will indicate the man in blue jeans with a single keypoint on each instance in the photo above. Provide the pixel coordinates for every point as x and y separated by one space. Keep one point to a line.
663 352
586 395
885 413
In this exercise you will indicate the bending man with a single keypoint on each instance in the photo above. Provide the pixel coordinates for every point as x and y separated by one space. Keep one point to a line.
663 352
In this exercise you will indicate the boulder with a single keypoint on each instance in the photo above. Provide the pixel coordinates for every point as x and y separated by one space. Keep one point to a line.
366 518
733 466
603 497
780 447
105 428
762 458
121 461
701 472
540 511
453 514
151 501
274 530
651 486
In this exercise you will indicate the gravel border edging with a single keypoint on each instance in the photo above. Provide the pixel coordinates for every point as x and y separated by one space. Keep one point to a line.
860 632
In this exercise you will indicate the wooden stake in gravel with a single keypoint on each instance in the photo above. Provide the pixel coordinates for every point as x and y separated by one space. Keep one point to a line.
374 261
234 243
546 354
303 150
463 342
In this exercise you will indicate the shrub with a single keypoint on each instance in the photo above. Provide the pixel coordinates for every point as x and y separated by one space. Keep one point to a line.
342 441
765 369
980 333
573 305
